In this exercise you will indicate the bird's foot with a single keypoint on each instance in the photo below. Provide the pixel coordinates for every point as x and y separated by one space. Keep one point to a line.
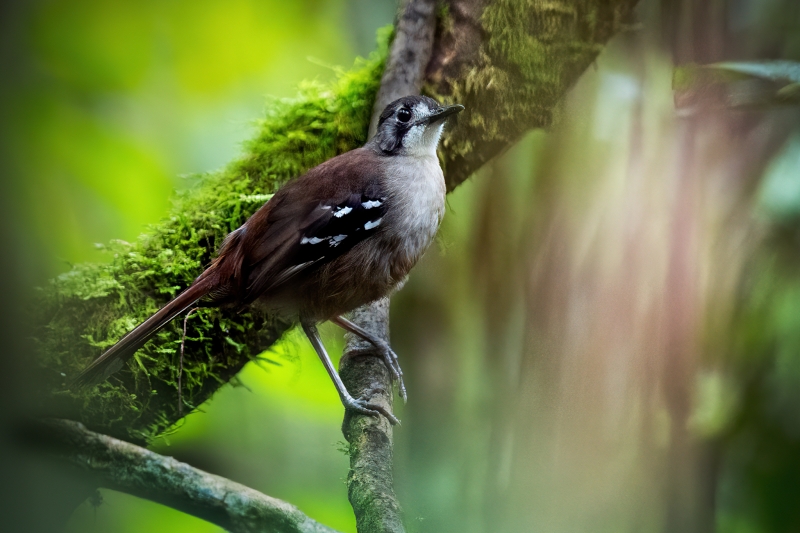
390 359
387 354
361 405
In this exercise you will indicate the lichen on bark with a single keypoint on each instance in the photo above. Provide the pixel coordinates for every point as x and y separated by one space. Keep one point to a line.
510 62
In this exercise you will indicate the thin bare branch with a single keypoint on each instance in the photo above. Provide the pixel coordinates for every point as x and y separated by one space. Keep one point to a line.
119 465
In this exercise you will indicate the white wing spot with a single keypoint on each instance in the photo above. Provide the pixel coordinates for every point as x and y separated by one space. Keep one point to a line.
373 224
369 204
335 240
342 211
312 240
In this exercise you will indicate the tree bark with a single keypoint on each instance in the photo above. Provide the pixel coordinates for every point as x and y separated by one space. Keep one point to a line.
122 466
369 482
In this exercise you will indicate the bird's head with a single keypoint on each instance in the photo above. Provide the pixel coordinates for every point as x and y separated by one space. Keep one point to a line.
412 125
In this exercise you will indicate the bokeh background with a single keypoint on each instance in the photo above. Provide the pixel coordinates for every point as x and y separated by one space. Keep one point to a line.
606 336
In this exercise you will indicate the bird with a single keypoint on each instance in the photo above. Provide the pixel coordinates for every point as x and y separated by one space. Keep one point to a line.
342 235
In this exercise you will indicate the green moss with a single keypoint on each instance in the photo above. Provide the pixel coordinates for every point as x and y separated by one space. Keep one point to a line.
532 53
87 309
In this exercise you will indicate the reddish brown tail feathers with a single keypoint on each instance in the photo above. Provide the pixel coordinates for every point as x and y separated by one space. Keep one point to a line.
113 359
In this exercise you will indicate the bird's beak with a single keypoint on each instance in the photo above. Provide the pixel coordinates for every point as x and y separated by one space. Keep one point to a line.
444 112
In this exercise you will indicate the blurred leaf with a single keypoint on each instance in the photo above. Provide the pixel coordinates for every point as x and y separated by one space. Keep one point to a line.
790 92
762 84
716 404
767 70
779 194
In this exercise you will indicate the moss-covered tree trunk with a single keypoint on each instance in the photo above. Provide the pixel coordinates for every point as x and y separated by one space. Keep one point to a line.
508 61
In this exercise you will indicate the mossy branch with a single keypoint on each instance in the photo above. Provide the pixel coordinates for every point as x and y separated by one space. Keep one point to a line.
507 61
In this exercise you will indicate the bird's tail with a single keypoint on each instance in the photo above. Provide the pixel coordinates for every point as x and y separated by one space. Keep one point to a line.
114 358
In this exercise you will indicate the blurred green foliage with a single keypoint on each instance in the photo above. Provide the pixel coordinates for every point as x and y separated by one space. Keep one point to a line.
779 195
759 486
114 101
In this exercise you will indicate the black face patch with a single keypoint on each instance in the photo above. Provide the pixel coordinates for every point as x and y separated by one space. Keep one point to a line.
408 102
392 127
393 140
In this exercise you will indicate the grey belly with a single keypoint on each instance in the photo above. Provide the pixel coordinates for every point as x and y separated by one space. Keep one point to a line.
358 277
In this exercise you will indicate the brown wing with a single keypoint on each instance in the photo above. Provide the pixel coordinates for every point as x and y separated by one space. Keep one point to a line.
309 222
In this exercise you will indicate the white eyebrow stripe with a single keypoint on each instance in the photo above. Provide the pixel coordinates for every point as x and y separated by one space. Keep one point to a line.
373 223
312 240
369 204
342 212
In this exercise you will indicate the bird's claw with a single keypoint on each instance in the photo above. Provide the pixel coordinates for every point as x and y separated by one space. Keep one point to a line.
363 406
398 374
392 361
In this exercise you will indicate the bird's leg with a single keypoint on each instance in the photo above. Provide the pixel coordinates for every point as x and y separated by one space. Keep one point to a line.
359 405
389 357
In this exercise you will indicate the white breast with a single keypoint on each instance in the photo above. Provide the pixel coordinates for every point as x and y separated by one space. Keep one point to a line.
416 190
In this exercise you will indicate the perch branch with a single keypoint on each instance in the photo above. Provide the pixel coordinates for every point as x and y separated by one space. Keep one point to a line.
128 468
370 479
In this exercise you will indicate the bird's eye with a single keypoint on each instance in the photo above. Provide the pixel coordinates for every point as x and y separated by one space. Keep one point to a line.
404 115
